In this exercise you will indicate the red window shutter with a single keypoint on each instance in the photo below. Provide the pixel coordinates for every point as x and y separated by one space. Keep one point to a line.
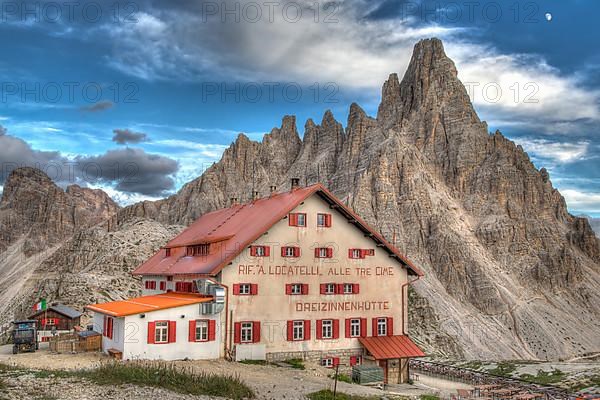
163 285
336 328
283 251
288 288
237 332
254 288
212 330
390 326
323 288
296 251
336 361
293 219
253 251
151 332
363 327
319 332
347 327
146 285
350 254
290 331
110 328
305 288
355 288
329 252
339 288
236 288
353 361
317 252
192 331
374 327
328 220
267 251
307 329
172 331
256 332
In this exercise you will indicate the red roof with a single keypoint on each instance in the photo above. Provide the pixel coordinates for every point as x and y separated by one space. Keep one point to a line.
231 230
145 304
386 347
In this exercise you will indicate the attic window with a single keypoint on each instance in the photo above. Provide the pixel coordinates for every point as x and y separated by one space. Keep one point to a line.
167 252
197 250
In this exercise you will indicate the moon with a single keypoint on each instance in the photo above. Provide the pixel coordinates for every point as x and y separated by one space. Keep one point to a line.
548 17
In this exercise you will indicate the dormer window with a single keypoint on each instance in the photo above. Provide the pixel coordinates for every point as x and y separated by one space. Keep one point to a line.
167 252
197 250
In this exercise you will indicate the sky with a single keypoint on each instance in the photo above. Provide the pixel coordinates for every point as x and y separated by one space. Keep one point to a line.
139 97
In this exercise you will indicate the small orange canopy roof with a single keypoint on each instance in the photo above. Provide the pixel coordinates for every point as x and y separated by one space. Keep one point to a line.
144 304
387 347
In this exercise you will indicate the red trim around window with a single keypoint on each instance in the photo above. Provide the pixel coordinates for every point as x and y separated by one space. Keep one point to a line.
296 252
293 219
266 251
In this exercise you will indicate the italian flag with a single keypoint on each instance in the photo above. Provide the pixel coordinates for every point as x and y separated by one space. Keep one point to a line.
40 306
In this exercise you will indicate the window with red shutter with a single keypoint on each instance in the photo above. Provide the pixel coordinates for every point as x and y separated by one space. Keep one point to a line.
356 253
290 251
260 251
245 289
323 220
323 252
297 219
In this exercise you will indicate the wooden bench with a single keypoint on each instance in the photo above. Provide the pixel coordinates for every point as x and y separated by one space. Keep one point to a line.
114 353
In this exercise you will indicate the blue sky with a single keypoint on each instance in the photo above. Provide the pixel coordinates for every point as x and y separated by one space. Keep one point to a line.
188 75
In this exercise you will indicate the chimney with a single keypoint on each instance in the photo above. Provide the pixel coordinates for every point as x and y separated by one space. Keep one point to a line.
295 183
233 201
254 195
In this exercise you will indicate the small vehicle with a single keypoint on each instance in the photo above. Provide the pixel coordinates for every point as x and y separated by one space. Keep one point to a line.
24 336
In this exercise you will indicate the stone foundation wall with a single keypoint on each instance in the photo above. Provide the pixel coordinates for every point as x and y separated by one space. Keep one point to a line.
315 357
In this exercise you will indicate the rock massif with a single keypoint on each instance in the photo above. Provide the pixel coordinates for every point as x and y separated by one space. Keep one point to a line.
509 272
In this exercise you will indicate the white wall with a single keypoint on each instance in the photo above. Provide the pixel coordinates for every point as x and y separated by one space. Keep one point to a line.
136 344
117 341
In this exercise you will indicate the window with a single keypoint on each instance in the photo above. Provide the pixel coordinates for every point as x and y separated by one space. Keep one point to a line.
50 321
163 285
161 332
107 331
330 288
355 360
296 288
327 362
246 332
348 288
167 252
355 327
381 326
298 330
245 289
297 219
327 329
323 220
355 253
290 251
201 331
197 250
151 285
187 287
323 252
260 251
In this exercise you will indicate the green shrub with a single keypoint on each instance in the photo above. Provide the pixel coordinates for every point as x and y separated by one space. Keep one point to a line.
254 362
544 377
342 378
168 376
328 395
503 368
428 397
296 363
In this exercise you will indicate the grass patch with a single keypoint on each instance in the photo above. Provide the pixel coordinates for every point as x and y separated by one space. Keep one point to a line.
503 368
472 365
177 379
588 381
342 378
328 395
156 374
545 377
296 363
428 397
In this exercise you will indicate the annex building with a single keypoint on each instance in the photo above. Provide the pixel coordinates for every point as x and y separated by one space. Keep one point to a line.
292 275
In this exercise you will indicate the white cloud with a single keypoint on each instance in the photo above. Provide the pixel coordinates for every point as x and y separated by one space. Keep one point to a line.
555 151
588 202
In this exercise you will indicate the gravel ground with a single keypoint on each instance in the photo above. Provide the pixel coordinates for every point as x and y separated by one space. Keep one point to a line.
268 382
